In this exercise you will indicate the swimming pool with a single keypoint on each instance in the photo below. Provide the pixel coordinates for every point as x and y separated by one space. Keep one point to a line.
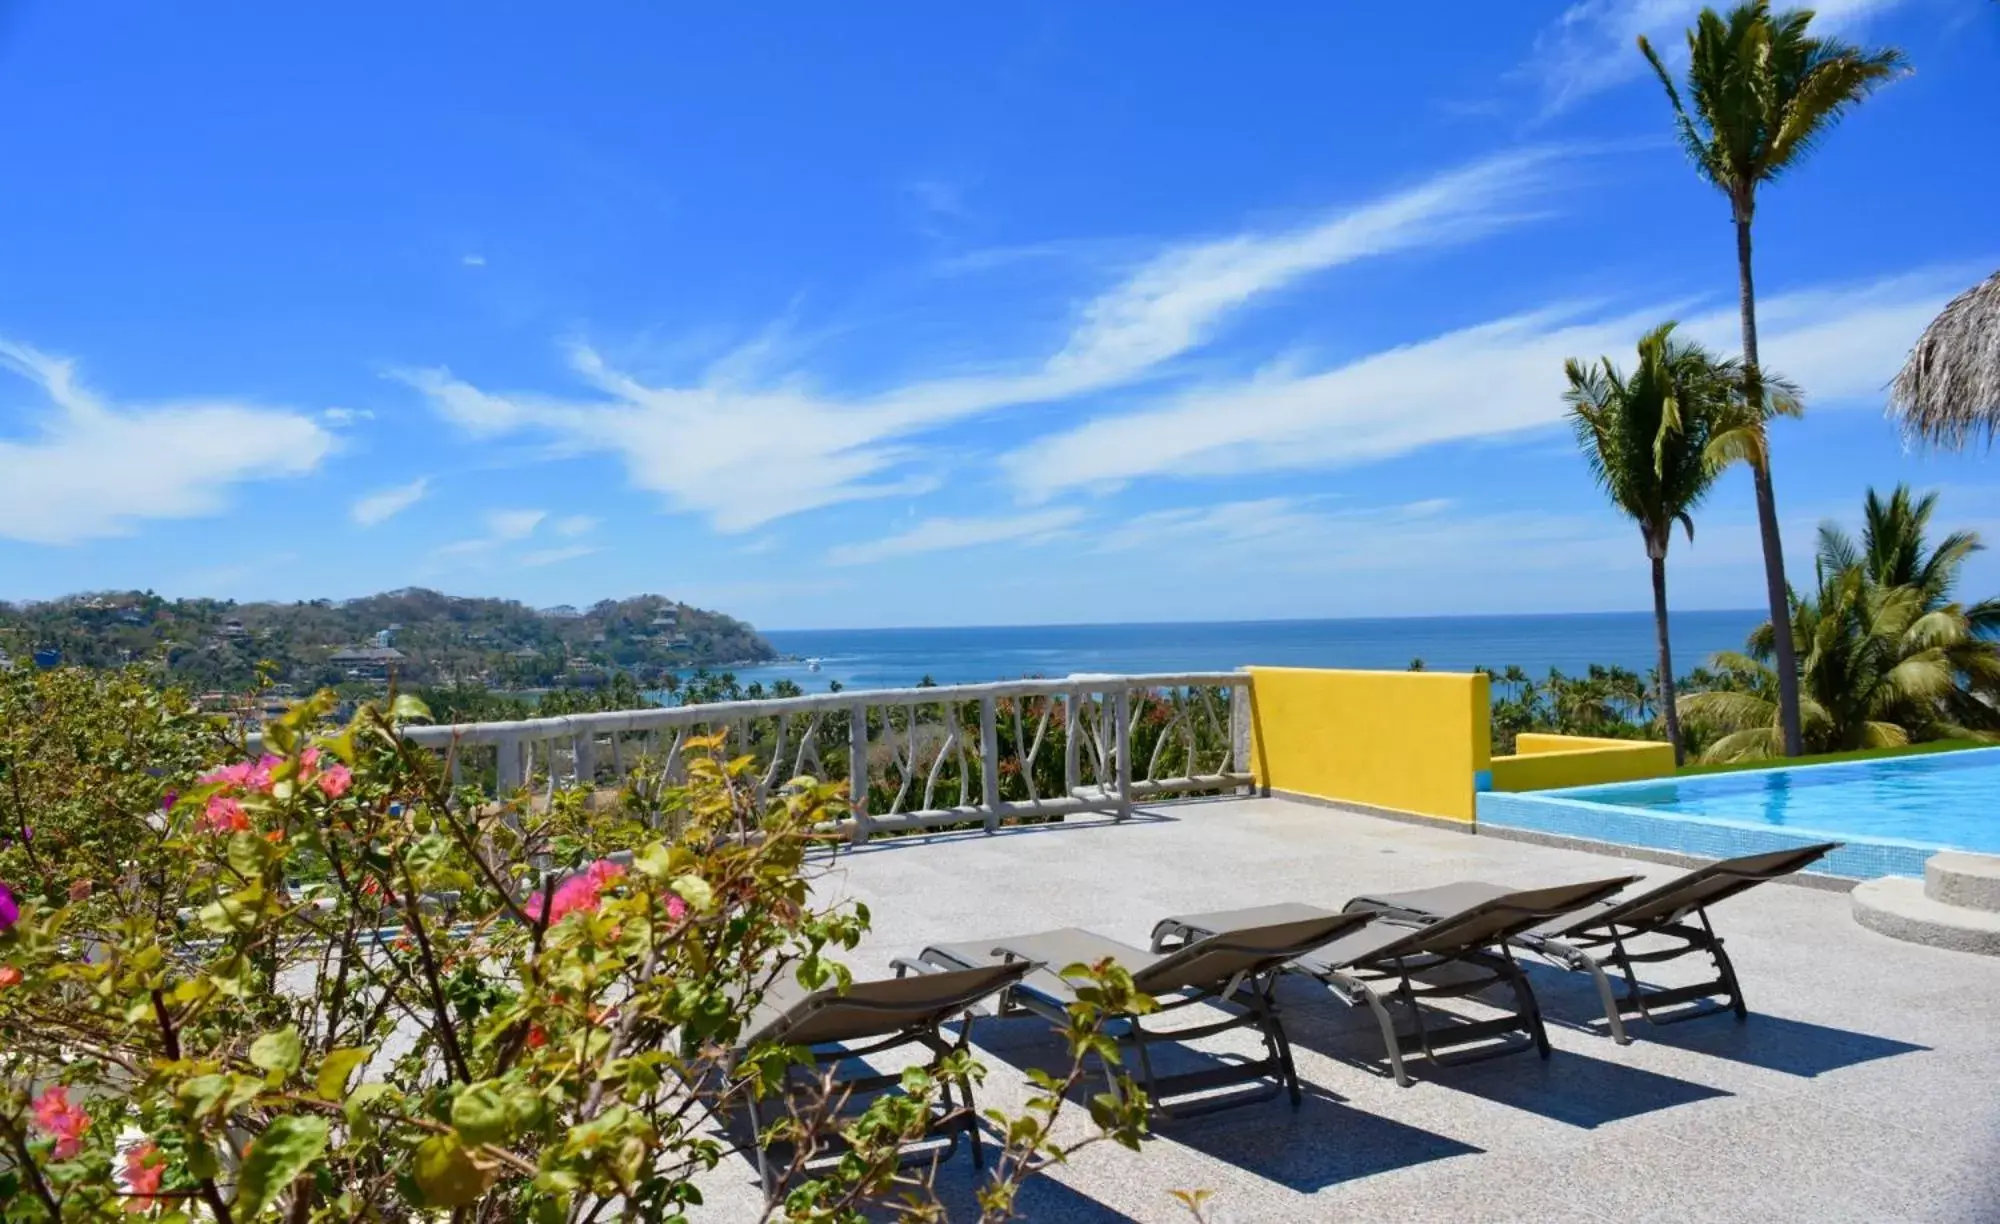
1892 812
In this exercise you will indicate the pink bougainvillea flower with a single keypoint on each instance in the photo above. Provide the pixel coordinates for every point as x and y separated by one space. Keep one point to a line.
168 800
677 909
260 775
310 758
9 976
536 1037
56 1116
336 780
10 910
145 1166
224 814
227 775
582 892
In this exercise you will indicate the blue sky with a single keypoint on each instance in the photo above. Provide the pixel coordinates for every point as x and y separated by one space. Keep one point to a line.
908 314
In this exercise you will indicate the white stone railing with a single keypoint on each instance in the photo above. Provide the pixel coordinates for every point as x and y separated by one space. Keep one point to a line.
947 755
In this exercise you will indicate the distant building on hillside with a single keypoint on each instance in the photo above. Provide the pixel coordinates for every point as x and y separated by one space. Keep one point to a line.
368 662
233 629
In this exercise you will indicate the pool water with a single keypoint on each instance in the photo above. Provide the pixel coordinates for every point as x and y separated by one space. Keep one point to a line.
1949 800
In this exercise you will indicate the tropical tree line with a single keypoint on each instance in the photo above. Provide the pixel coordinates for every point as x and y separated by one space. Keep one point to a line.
1879 652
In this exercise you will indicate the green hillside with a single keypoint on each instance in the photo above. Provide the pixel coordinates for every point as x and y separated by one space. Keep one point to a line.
422 636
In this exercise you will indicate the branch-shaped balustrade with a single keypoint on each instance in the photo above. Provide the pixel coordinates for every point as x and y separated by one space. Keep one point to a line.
922 758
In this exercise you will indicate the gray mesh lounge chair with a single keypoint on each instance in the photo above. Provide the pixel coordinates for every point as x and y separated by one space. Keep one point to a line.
1233 970
884 1015
1658 917
1473 939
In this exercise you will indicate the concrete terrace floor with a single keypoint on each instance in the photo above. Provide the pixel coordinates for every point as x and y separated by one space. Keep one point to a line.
1865 1086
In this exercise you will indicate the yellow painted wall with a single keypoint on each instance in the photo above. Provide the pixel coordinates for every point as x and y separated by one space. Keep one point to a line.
1543 762
1409 741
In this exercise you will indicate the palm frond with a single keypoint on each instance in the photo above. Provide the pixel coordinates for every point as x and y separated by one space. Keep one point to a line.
1743 444
1836 78
1727 711
1749 744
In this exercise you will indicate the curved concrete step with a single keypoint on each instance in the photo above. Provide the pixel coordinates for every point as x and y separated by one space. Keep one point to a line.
1897 906
1968 880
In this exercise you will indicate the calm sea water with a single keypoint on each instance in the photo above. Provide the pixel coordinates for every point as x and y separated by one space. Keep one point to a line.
896 658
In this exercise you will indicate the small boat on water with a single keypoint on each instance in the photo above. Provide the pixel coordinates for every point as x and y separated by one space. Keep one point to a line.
812 664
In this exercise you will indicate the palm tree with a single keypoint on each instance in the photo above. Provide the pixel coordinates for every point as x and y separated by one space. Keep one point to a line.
1889 657
1646 439
1763 92
1894 550
1949 390
1879 671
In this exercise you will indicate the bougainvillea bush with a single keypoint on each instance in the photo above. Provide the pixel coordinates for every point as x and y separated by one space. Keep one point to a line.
318 984
86 759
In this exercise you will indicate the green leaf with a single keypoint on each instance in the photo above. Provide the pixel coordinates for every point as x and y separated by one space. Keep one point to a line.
445 1174
278 1054
479 1113
286 1149
655 862
408 708
236 912
337 1067
248 853
695 891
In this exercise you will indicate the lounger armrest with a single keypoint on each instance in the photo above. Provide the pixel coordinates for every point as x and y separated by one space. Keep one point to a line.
907 965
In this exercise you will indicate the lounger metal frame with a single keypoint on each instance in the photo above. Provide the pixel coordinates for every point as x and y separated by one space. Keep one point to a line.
1246 996
1575 945
1403 960
949 1119
1351 986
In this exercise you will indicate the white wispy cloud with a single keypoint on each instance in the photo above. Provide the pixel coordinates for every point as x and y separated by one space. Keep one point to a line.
87 467
1486 381
385 504
574 525
939 534
513 524
1593 46
743 453
473 260
1259 526
554 556
347 416
502 527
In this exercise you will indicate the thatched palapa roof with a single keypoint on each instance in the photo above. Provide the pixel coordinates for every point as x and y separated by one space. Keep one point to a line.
1949 390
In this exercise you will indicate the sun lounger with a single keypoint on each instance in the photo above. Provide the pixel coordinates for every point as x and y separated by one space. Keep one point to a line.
1461 954
884 1015
1233 971
1658 917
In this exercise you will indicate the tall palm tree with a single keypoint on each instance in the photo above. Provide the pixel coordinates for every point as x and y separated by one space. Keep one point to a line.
1763 92
1645 438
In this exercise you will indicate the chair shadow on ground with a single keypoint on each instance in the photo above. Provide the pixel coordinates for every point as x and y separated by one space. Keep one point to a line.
1042 1198
1568 1087
1322 1142
1793 1047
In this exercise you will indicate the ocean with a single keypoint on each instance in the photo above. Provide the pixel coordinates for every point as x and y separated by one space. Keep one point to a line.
899 658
